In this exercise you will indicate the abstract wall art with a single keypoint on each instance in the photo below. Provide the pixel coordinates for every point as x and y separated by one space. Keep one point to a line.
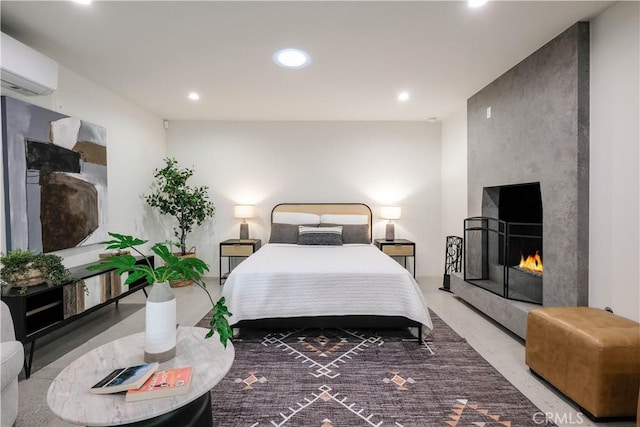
54 177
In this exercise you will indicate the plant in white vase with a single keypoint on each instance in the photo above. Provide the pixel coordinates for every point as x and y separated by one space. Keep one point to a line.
160 320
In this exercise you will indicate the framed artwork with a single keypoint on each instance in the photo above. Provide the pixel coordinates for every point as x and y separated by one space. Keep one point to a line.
54 178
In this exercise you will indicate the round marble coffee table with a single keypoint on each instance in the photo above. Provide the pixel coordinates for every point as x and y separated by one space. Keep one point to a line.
69 397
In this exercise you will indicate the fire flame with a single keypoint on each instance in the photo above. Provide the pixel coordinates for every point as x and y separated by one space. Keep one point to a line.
532 263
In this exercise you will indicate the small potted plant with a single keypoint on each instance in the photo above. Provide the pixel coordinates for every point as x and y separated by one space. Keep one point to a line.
160 324
24 268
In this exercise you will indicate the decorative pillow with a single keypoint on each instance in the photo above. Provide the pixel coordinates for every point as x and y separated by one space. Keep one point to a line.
285 233
353 233
298 218
344 219
330 236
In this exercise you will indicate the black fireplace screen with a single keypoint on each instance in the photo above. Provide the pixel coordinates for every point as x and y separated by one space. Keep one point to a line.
504 257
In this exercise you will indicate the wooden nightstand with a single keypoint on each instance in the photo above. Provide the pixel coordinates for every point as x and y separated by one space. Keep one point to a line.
399 248
234 248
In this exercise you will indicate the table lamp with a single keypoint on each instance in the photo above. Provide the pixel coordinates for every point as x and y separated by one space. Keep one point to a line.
243 212
390 213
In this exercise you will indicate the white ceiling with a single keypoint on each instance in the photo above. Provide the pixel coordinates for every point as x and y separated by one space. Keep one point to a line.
363 53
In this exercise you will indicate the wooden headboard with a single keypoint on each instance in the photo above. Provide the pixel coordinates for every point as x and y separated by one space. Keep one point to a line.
328 208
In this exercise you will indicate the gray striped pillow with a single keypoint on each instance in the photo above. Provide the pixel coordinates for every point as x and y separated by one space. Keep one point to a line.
329 236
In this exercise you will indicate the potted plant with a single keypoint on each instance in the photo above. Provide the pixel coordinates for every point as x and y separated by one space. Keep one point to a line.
190 206
160 324
26 268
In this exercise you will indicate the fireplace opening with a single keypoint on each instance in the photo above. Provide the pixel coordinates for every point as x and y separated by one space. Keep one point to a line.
503 247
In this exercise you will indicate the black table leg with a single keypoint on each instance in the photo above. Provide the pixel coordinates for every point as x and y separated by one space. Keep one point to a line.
198 413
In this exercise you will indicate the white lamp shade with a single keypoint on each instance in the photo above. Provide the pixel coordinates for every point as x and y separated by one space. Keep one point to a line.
390 212
243 211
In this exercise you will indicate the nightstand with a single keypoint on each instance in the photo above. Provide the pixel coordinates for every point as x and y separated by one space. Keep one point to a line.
235 248
399 248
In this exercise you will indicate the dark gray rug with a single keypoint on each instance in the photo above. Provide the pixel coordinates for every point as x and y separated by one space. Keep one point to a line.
347 378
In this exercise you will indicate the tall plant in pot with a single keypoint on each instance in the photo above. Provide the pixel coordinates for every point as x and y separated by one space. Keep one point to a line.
173 196
160 318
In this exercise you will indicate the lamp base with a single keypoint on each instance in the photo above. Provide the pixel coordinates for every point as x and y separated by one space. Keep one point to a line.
390 232
244 231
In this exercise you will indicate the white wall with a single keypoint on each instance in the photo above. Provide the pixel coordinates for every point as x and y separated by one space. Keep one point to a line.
135 146
454 175
614 232
266 163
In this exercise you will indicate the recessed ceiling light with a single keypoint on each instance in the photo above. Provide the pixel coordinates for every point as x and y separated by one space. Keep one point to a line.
292 58
477 3
432 119
194 96
403 96
85 2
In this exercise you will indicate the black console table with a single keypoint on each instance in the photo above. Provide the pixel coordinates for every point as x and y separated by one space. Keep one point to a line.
44 308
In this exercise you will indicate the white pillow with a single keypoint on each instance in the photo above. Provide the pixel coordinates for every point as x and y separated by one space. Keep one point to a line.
296 218
344 219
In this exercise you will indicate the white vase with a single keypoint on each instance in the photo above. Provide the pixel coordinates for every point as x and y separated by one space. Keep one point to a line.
160 324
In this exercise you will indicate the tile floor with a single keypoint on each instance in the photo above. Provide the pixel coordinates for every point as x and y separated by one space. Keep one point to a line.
504 351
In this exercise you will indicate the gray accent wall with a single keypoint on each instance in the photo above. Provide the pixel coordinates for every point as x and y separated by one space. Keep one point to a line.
539 132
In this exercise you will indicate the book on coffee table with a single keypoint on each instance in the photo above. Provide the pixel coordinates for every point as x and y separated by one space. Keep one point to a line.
123 379
171 382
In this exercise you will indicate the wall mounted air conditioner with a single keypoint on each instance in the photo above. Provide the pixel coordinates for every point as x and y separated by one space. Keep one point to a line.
25 70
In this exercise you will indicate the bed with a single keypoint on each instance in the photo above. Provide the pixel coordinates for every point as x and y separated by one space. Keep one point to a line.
320 269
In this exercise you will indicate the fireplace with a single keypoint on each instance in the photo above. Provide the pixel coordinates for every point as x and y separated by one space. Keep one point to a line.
538 133
503 247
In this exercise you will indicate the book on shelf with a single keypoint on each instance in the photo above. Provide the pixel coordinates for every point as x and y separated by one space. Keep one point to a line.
171 382
123 379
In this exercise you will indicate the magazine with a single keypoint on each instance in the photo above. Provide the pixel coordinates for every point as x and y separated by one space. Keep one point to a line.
123 379
171 382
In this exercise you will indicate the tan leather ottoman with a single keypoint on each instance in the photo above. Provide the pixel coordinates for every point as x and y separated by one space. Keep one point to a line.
590 355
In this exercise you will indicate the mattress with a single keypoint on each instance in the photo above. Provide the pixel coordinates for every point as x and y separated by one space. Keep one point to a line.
285 281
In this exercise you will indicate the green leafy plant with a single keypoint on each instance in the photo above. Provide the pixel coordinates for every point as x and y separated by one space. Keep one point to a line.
171 194
18 267
173 268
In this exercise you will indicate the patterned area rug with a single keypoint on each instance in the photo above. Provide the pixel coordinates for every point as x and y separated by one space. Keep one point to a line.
347 378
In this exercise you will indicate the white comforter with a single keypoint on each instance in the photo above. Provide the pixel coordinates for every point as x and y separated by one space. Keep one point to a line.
292 281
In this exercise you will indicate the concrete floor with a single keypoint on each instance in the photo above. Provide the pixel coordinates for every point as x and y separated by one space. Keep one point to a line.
504 351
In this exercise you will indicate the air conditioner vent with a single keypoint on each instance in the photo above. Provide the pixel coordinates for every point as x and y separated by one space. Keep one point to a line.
25 70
